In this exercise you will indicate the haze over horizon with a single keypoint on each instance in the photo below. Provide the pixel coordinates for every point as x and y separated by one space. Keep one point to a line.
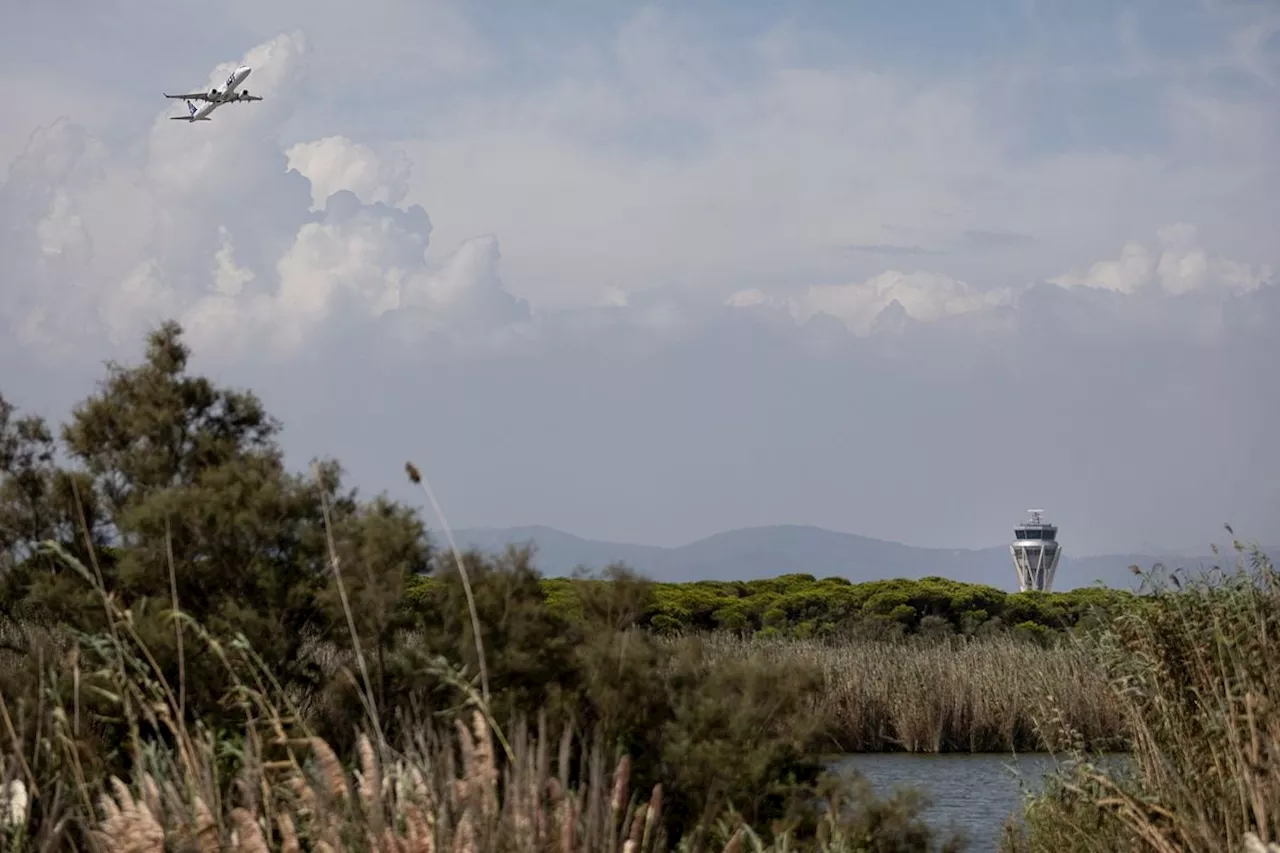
1222 539
649 274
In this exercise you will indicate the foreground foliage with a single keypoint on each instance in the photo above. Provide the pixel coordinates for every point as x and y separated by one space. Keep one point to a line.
273 784
1194 669
198 632
155 552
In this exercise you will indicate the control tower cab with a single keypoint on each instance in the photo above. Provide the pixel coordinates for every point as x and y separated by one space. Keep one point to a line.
1035 553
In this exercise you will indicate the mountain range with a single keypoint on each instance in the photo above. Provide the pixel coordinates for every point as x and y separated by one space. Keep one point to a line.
763 552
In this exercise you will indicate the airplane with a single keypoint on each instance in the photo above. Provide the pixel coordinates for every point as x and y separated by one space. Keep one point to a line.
215 98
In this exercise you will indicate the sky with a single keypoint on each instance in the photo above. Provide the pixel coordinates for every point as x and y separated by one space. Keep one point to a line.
650 272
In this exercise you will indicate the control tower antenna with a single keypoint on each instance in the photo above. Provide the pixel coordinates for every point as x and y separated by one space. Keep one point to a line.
1035 553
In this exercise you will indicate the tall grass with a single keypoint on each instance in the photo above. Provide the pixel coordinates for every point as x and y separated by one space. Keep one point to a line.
454 780
979 695
974 695
1195 670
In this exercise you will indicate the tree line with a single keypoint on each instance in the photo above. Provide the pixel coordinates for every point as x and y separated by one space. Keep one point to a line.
801 606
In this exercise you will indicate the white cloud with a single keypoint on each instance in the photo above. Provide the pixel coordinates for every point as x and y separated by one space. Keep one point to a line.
337 163
212 225
141 301
699 253
755 186
649 160
1126 275
352 251
395 45
360 263
894 301
228 277
886 301
62 230
1181 266
924 296
616 297
253 241
356 265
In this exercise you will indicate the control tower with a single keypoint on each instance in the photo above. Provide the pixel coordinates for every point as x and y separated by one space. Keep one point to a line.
1035 553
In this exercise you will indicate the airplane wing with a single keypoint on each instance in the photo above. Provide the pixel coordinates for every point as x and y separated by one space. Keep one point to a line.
248 97
194 96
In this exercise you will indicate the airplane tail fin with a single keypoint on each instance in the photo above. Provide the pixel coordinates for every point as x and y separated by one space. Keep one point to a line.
191 114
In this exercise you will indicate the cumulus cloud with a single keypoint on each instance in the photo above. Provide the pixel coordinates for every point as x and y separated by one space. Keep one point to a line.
62 230
1179 266
923 296
337 163
228 277
141 299
894 301
249 243
254 244
357 264
252 238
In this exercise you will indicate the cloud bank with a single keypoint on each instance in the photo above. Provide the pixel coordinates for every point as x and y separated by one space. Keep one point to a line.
664 302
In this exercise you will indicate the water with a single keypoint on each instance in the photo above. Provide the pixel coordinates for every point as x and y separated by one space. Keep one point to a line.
971 793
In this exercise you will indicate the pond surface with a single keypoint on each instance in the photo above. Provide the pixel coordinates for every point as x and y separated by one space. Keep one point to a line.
971 793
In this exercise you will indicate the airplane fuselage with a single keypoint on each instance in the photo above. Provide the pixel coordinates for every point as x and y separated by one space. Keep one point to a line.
219 97
233 82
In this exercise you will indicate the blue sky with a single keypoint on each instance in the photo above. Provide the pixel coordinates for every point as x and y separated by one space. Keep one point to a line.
657 271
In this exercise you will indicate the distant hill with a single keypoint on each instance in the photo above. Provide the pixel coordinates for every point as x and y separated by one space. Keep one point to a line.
763 552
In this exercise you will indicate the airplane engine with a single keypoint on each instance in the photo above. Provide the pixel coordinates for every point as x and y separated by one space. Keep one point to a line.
244 94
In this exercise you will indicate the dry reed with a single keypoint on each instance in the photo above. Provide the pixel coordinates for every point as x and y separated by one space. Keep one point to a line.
980 695
1194 671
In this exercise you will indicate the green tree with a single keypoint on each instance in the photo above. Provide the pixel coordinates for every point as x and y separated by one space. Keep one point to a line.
380 547
194 483
181 487
40 501
528 645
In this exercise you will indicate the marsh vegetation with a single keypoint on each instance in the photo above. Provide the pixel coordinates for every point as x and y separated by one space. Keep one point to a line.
200 649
